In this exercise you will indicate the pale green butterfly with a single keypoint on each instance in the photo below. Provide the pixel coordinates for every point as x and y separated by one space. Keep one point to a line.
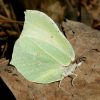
42 54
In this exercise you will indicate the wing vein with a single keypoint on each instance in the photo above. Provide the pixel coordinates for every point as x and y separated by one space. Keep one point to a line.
49 54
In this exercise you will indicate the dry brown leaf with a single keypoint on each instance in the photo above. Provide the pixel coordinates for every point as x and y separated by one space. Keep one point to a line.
87 83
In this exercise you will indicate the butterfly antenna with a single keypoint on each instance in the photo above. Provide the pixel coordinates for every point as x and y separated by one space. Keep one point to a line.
87 51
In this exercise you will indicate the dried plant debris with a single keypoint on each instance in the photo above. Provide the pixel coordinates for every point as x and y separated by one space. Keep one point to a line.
86 85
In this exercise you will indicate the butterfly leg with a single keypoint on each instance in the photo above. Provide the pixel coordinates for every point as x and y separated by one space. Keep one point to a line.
67 93
72 81
62 77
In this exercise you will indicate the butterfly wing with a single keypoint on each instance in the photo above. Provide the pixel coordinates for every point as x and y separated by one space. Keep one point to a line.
42 50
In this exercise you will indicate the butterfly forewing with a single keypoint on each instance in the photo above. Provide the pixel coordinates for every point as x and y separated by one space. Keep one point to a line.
42 51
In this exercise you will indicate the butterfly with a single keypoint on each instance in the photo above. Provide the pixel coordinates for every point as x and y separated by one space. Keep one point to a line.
42 54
